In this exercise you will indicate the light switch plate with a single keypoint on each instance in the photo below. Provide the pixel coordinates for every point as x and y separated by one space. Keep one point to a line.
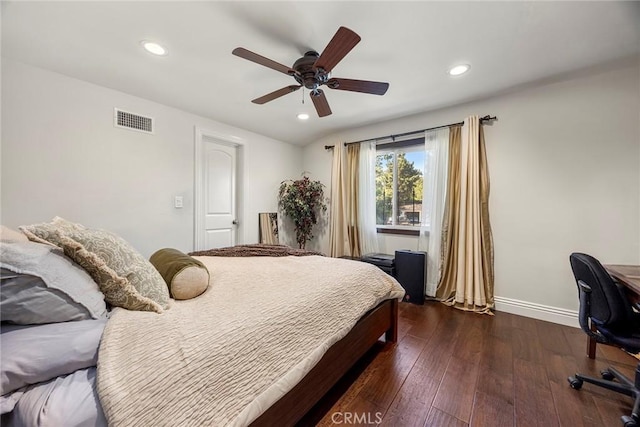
178 202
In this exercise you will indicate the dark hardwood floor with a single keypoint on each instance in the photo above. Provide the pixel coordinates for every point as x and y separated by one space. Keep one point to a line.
452 368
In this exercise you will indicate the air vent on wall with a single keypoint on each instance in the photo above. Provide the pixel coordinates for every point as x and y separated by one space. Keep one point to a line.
127 120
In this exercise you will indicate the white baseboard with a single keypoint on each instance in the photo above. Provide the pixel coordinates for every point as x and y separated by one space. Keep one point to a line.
537 311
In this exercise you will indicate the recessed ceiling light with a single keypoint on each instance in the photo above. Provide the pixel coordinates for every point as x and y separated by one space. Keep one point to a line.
154 48
303 116
459 69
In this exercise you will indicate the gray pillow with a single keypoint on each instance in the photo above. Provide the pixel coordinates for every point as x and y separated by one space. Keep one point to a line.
41 285
32 354
25 299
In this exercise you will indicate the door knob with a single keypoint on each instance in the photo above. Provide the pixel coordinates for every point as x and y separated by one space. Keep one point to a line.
234 222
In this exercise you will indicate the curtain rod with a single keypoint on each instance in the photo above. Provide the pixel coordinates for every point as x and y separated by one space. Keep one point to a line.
393 137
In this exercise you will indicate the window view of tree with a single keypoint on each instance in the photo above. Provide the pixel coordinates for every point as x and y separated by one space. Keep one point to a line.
402 204
384 188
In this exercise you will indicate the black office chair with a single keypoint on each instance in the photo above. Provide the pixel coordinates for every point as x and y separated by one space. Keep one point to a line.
604 305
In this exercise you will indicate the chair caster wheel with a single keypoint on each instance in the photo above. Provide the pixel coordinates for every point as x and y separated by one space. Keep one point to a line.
575 383
628 421
606 375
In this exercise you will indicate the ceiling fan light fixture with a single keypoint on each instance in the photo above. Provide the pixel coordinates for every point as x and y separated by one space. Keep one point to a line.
303 116
459 69
154 48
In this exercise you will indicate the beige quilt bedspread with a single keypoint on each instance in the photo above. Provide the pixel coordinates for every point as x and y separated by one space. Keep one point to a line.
226 356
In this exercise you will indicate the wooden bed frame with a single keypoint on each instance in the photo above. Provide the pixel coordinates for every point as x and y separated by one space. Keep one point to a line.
334 364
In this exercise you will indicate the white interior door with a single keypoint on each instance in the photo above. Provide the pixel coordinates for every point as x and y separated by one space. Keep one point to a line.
219 169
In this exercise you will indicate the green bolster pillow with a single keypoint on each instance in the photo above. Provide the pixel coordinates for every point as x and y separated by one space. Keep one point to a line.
185 276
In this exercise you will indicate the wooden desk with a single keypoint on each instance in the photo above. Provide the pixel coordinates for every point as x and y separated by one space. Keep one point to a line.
627 275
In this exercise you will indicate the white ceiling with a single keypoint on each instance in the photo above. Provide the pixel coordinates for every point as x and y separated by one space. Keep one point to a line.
408 44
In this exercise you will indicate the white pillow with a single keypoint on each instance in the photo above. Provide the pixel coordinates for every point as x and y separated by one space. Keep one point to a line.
70 400
9 235
32 354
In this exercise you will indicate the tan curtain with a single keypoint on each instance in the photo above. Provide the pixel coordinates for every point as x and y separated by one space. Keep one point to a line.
351 200
337 217
344 236
450 228
467 246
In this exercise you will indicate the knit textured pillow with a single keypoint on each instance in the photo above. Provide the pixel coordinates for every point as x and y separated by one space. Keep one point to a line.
121 259
118 291
48 232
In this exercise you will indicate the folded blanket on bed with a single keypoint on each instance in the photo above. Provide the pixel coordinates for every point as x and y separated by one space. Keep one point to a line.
256 250
223 358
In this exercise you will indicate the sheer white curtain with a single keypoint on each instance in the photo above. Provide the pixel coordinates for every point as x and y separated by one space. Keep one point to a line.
367 198
436 159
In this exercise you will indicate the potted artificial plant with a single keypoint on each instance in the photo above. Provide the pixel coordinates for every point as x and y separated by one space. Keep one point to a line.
302 200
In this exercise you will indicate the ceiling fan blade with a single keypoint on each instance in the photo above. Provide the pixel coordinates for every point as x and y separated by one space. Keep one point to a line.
320 102
342 42
276 94
364 86
259 59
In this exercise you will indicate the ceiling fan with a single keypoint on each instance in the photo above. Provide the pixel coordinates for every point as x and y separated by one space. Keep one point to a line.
314 70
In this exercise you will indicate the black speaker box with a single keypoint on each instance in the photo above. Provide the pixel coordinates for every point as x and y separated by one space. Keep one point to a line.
411 272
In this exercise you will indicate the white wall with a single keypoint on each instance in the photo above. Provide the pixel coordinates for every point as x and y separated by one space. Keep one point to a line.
61 155
564 162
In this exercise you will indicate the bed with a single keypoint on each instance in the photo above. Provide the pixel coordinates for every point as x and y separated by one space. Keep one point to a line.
260 346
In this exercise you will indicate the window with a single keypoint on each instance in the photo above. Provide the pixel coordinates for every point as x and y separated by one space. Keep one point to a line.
399 181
